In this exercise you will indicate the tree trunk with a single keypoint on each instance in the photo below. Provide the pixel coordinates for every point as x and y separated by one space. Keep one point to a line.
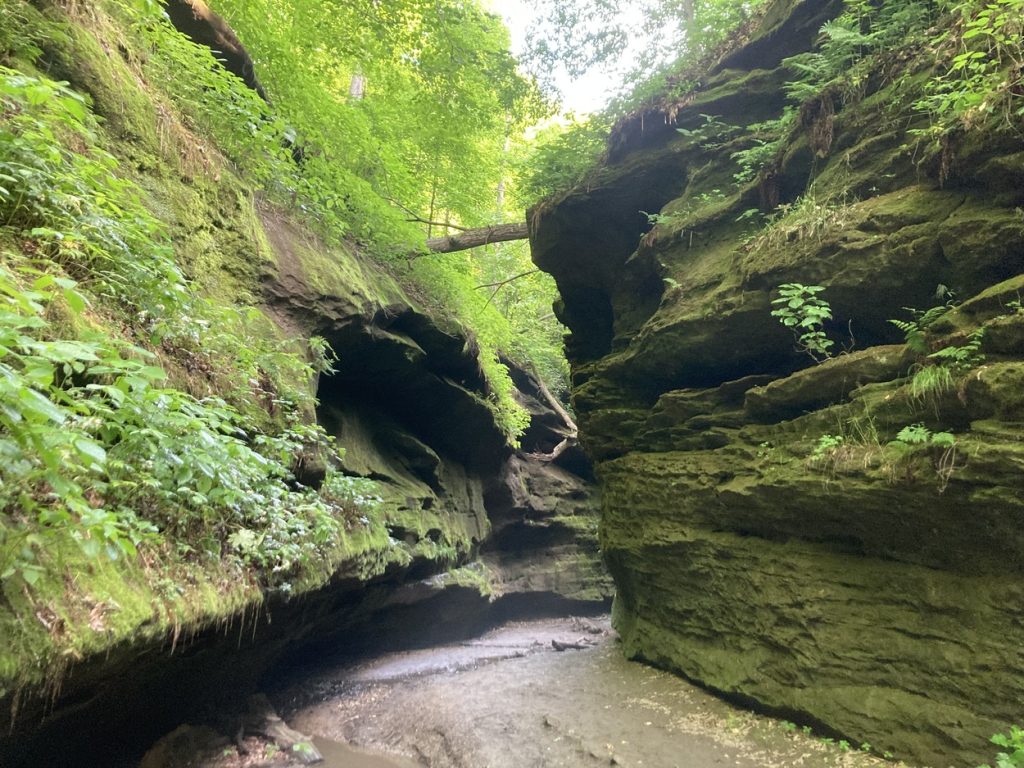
357 86
688 16
474 238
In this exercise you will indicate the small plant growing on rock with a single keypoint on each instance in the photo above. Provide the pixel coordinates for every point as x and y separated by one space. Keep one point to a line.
827 444
806 219
938 371
1013 742
948 364
712 134
915 330
833 453
322 354
799 308
659 218
961 359
917 438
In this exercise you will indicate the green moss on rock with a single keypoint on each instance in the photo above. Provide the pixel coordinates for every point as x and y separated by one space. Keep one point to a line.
768 534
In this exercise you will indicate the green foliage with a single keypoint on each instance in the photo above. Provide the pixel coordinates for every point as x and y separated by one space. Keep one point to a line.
826 446
941 369
915 441
74 206
799 308
659 218
441 95
712 134
854 47
23 30
534 339
931 381
807 219
442 98
355 495
960 359
669 46
915 330
851 43
558 157
981 48
976 45
329 189
920 435
767 138
1013 743
661 36
322 355
96 448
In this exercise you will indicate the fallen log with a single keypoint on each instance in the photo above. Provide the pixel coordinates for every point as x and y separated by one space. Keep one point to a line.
262 720
474 238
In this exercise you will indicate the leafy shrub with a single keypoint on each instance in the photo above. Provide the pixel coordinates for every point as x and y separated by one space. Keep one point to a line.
96 449
799 308
983 52
1013 742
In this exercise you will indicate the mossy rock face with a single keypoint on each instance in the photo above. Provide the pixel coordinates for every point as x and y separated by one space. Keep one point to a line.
409 404
827 383
92 64
906 658
773 528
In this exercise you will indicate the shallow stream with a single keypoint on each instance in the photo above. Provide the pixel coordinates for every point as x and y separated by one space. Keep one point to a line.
511 699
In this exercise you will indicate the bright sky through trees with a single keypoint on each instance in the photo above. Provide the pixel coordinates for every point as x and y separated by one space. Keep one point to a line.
582 95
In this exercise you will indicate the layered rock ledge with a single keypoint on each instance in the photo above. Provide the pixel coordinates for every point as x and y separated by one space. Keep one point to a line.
769 535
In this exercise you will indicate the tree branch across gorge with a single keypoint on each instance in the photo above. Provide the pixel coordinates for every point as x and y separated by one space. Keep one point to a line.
474 238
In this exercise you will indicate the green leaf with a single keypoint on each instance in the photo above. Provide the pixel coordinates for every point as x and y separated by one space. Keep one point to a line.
90 546
40 406
92 450
75 300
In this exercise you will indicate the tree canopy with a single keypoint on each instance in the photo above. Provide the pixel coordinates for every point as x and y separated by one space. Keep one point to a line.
441 94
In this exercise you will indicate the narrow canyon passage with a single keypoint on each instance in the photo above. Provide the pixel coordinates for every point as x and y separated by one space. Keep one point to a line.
545 692
348 384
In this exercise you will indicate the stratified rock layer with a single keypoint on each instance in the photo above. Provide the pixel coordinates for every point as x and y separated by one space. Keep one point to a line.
769 535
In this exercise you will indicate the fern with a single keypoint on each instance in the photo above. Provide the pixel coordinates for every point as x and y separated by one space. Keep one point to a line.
915 330
963 358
